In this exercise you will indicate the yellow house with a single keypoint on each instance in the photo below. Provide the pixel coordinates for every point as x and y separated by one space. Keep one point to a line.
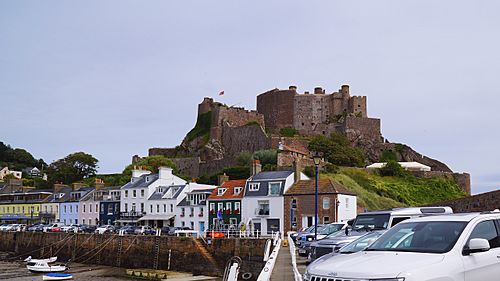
22 207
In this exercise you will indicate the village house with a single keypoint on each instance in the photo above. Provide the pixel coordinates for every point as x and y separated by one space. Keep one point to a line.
5 171
192 211
109 208
135 194
161 205
262 204
22 207
49 212
224 205
69 209
335 204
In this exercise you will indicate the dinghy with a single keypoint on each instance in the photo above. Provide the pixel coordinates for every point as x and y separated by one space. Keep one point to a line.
57 276
49 260
45 267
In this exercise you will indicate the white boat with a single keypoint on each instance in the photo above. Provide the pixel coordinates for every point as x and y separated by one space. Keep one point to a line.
49 260
45 267
57 276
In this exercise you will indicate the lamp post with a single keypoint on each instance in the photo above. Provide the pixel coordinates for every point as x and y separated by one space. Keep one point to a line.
317 159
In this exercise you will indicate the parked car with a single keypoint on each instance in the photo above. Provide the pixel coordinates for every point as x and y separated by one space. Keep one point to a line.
20 227
459 247
10 227
325 251
329 230
53 227
376 221
127 229
3 227
105 229
298 238
144 230
85 228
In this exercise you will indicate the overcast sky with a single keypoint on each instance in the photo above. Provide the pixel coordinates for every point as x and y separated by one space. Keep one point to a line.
113 78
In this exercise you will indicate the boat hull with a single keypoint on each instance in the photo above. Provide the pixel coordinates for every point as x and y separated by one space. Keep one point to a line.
57 277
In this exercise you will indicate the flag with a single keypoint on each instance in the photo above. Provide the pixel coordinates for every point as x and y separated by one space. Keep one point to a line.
221 93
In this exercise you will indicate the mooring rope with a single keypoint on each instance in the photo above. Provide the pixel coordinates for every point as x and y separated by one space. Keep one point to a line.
98 251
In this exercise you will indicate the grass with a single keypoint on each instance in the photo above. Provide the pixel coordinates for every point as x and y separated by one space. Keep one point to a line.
376 192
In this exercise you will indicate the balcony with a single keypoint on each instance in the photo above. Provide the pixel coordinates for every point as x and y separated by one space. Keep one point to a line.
47 215
131 215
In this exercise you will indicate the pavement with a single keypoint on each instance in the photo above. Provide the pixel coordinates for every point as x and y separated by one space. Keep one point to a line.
283 269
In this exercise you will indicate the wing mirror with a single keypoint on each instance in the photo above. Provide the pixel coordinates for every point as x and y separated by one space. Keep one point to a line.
476 245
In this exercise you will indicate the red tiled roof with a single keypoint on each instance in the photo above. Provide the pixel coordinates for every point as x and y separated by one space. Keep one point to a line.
229 194
305 187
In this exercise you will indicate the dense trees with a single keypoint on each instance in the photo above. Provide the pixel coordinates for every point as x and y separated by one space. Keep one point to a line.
18 158
72 168
338 150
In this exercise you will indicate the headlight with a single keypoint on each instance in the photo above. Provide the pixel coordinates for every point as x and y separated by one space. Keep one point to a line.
309 239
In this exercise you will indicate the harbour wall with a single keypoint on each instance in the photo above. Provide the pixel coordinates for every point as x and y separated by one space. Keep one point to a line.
156 252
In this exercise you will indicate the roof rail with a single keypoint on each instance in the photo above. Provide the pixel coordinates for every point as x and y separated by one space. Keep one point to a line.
496 211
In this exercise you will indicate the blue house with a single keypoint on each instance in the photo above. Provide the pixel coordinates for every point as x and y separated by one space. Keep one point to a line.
109 211
68 210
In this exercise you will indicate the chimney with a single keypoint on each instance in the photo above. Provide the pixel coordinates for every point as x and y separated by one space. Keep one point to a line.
58 187
292 88
318 91
296 170
222 178
165 173
99 183
344 89
137 172
78 185
256 167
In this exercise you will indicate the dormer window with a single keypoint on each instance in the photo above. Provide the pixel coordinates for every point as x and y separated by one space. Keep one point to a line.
147 179
253 186
237 190
221 191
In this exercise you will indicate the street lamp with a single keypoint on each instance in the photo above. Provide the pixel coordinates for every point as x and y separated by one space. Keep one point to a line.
317 156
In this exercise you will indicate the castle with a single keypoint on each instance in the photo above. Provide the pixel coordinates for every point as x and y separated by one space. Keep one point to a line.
223 132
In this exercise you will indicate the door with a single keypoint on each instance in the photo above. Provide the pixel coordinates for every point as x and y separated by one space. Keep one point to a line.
202 226
482 266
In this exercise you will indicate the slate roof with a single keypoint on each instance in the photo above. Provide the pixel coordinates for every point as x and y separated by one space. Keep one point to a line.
158 195
325 186
140 182
272 175
178 191
229 194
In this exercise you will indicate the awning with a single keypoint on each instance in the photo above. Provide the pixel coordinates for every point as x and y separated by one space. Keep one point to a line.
157 217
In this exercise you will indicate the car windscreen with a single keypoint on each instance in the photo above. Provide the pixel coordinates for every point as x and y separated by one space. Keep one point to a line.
360 243
422 237
331 228
379 221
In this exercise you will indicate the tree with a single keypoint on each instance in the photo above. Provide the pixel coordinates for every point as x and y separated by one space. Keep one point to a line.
337 150
392 168
151 163
72 168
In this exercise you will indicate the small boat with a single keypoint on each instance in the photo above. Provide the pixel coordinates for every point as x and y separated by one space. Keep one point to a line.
49 260
57 276
45 267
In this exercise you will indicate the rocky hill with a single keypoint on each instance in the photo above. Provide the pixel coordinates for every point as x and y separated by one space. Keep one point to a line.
286 120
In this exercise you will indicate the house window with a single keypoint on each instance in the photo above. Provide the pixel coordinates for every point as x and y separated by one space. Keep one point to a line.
90 208
192 212
274 188
326 203
76 209
147 179
142 207
201 212
347 203
84 208
83 221
171 208
192 225
212 206
151 209
263 209
70 208
117 208
142 192
183 212
228 206
110 209
294 203
96 207
237 206
164 208
183 223
126 207
158 208
102 210
134 193
233 221
237 190
126 193
326 220
221 191
253 186
133 207
220 206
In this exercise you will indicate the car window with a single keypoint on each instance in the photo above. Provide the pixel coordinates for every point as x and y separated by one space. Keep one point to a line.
486 230
398 220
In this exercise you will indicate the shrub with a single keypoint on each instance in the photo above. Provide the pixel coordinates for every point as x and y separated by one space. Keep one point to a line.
331 168
388 155
267 156
288 132
309 171
337 150
202 127
392 168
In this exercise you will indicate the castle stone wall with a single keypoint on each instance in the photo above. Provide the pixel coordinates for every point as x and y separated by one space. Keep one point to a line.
367 128
488 201
246 138
277 107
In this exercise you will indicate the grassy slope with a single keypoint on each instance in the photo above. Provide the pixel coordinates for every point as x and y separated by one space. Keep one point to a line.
376 192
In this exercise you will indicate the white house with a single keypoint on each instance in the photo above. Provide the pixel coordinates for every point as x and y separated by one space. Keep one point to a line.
262 204
192 210
409 166
161 205
135 194
5 171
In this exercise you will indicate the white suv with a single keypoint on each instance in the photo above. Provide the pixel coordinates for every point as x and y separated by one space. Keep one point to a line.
459 247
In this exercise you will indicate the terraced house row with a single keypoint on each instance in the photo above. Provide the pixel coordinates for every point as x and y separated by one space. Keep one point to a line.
267 202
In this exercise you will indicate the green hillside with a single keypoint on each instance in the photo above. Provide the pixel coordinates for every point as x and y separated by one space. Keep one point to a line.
376 192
